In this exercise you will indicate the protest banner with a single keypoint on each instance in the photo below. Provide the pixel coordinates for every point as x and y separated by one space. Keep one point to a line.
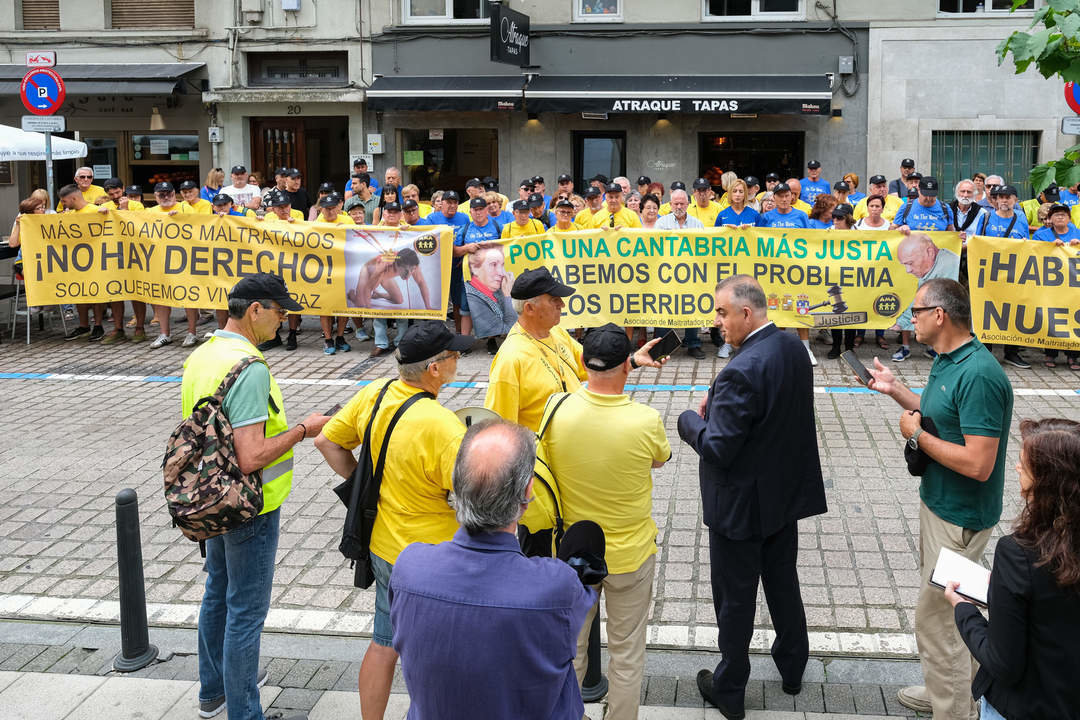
192 261
811 278
1024 292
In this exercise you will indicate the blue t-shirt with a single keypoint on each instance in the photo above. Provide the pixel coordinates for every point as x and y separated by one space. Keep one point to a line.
996 226
473 233
547 205
1048 234
437 218
374 184
1067 198
794 218
503 218
819 225
811 189
855 197
728 216
919 217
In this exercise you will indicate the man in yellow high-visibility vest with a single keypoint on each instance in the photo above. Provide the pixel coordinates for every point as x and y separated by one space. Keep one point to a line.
240 563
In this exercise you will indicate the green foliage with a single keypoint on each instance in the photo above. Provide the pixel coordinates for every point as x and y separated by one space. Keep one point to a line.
1054 50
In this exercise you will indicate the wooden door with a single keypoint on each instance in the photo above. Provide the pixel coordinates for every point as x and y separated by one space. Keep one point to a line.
276 142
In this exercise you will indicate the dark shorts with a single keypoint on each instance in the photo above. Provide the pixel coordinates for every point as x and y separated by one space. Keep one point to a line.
457 291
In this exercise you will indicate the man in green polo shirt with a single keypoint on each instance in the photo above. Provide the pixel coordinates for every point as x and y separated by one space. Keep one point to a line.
970 400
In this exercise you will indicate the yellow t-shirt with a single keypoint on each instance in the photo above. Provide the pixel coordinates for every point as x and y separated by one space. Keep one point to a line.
665 209
425 209
294 214
160 209
532 227
341 219
87 208
706 215
584 218
90 194
573 227
892 205
199 207
505 200
1074 214
527 371
625 217
131 205
800 205
601 449
419 470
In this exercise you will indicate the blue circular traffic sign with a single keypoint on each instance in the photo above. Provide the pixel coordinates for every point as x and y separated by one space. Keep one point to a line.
42 91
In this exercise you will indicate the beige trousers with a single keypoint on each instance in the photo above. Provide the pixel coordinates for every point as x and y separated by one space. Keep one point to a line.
948 668
626 597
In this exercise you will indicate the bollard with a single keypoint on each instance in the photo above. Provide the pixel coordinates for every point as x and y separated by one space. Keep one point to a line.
594 685
136 651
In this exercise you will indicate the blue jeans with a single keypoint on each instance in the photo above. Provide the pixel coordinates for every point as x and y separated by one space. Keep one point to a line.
383 633
989 712
691 336
382 338
239 574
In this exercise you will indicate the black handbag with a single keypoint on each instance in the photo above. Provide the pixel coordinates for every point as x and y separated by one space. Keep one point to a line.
917 460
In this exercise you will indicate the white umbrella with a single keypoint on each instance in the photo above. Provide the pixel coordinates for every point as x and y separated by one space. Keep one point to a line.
16 144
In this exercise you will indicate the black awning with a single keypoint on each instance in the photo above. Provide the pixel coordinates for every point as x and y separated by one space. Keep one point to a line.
690 94
108 79
486 92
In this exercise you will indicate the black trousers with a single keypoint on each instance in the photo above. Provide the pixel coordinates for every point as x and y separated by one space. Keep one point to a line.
737 565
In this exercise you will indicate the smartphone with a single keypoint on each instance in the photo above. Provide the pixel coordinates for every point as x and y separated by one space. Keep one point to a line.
855 364
332 411
669 344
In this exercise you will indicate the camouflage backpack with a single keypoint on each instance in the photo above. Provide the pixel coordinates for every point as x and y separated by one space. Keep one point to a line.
205 490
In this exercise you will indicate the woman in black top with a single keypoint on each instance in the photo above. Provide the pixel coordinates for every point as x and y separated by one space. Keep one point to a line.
1030 652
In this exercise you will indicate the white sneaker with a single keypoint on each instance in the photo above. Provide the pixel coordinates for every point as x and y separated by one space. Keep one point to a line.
189 340
813 360
209 334
162 341
724 351
361 335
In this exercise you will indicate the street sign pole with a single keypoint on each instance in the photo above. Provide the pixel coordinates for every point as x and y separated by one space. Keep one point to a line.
49 181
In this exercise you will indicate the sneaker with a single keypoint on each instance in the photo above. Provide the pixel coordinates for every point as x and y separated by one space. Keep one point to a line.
1017 360
99 332
329 348
77 333
915 698
492 346
929 353
340 344
139 336
209 334
210 708
724 351
271 343
290 342
361 335
902 354
813 359
189 340
834 352
824 337
696 353
116 336
162 341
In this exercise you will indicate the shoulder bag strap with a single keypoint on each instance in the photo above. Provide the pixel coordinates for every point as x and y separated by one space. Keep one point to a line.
907 209
230 380
548 414
1012 224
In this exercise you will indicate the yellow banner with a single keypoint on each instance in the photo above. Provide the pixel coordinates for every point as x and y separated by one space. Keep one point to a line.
192 261
1025 292
812 278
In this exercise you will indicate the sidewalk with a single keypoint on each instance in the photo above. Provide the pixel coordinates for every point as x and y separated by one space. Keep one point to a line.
316 674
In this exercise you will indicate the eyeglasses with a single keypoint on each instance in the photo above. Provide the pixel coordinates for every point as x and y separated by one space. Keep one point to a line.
916 310
282 312
84 177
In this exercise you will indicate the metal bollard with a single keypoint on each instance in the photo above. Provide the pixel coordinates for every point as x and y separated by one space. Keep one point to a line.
594 685
136 651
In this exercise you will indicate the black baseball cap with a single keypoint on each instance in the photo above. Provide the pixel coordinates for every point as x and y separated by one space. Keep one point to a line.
1058 207
238 170
599 177
564 203
536 200
613 188
281 171
843 209
293 173
592 191
278 199
520 205
164 187
392 207
491 183
781 188
477 202
644 180
221 199
450 195
841 186
877 179
915 176
813 165
112 183
133 190
913 193
527 183
605 347
264 286
772 176
538 179
357 162
475 182
1051 193
751 181
1004 190
678 185
413 205
327 187
582 548
907 162
330 200
189 185
928 186
427 338
534 283
702 184
564 178
352 202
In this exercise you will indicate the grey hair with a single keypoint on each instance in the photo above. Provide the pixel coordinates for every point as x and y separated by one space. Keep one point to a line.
956 190
744 290
490 494
951 297
519 305
414 371
238 307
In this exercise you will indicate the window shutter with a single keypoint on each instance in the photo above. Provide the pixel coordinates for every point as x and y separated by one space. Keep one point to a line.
41 14
135 14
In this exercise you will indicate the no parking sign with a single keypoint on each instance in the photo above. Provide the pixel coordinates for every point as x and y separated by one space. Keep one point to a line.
42 91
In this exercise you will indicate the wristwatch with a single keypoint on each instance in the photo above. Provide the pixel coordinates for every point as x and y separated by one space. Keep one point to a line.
913 441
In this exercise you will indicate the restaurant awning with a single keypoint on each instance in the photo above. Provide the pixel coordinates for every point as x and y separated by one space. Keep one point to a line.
108 78
692 94
485 92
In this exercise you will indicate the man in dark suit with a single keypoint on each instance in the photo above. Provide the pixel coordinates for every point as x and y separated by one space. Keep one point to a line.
759 474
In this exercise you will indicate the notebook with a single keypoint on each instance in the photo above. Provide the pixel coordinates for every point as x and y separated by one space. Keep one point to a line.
974 579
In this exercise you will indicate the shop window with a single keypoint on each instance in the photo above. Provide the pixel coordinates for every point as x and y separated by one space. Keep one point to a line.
959 154
161 158
964 7
764 9
40 14
598 10
598 153
749 153
325 69
432 11
445 159
136 14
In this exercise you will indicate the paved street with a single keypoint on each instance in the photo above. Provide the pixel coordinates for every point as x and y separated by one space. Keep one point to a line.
84 421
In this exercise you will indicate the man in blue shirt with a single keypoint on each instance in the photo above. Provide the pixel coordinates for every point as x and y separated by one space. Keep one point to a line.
1067 196
1005 222
476 604
449 215
898 186
812 184
926 213
540 187
783 215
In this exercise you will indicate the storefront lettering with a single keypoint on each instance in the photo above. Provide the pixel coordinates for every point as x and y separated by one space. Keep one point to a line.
513 41
674 106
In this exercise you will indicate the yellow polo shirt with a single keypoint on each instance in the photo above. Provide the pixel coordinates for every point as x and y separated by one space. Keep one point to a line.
199 207
707 215
625 217
90 194
341 219
665 209
419 471
527 371
584 218
131 205
573 227
532 227
294 214
892 205
800 205
164 210
601 449
88 208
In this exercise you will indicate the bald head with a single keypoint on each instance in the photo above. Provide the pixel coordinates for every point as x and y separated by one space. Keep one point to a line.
492 474
796 186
